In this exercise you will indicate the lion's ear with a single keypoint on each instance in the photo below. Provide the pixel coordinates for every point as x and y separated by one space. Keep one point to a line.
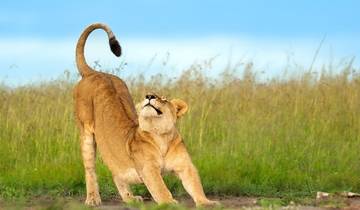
180 106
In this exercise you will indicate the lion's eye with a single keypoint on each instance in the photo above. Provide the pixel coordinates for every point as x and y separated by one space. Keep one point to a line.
163 99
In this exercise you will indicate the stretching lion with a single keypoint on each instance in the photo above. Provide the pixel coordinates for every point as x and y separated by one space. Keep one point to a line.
136 149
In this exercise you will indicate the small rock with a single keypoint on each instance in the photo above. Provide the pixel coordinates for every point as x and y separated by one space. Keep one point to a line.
321 195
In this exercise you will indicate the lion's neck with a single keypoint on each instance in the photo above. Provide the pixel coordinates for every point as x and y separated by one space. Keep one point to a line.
148 125
162 140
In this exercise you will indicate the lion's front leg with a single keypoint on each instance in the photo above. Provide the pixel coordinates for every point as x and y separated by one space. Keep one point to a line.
124 190
192 184
150 174
88 151
180 162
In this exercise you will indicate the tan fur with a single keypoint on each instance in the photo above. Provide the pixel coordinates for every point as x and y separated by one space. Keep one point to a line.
107 120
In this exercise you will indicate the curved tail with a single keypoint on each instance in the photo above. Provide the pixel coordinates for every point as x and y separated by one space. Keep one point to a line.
83 67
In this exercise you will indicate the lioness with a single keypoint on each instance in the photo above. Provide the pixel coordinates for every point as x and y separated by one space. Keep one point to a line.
136 150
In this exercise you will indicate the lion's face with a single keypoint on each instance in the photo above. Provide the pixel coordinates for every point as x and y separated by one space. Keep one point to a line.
157 114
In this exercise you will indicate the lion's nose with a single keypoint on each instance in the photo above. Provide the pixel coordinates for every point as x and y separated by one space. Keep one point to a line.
150 96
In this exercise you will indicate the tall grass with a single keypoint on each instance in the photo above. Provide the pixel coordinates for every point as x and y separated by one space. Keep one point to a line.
283 137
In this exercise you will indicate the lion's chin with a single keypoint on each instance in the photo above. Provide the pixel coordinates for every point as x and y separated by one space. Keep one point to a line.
149 112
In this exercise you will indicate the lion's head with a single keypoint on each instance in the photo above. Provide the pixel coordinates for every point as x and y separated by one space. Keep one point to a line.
159 115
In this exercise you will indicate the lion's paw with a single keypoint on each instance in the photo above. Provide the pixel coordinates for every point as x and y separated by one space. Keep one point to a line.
131 199
138 198
209 203
168 202
93 199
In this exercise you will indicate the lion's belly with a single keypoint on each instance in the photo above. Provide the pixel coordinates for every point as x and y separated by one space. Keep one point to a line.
115 157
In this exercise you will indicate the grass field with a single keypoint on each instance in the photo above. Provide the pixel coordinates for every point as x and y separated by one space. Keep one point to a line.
287 137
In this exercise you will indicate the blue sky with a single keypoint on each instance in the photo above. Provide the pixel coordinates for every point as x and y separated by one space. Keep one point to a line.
265 32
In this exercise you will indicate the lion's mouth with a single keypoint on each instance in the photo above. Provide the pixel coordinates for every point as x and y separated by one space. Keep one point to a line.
158 111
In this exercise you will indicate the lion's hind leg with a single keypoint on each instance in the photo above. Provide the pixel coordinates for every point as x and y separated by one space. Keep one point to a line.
88 151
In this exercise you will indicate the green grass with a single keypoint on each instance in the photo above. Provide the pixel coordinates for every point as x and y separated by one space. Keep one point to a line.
287 137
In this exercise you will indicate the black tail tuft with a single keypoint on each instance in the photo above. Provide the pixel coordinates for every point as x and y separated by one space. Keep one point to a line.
115 46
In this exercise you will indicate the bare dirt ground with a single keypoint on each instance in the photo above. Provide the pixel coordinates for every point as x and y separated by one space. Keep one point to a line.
235 203
228 202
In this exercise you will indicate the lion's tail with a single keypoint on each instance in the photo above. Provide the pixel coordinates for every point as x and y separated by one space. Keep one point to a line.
82 66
